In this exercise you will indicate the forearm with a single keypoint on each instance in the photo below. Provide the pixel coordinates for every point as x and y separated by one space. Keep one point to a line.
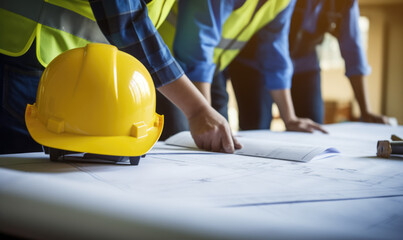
292 123
359 85
284 103
205 89
185 96
209 129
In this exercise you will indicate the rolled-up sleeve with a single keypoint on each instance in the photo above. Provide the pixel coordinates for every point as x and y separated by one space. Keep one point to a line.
198 32
350 41
125 23
270 55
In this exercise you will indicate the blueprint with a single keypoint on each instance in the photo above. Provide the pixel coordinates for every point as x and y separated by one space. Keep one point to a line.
353 193
265 148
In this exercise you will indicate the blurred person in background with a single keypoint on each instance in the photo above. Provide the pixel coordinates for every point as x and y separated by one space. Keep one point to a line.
311 19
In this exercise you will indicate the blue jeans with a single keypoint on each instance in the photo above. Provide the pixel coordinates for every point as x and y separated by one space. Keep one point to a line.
219 94
255 102
307 95
253 99
18 86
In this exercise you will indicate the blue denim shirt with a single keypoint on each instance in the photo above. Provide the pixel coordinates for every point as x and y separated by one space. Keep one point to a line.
126 24
350 42
198 32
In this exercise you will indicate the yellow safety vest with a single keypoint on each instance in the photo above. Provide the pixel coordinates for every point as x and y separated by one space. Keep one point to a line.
57 25
238 29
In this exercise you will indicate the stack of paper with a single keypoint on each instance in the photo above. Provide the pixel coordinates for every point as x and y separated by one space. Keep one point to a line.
265 148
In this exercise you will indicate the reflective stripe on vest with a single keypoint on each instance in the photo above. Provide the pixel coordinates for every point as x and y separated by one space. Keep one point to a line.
54 24
237 30
158 11
168 28
241 25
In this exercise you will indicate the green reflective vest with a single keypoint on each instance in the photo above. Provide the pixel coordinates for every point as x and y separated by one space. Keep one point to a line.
57 25
237 30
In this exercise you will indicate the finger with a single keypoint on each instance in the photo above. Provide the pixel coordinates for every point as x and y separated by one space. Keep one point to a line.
227 140
319 128
237 144
316 126
216 143
308 129
382 120
207 145
204 145
198 142
304 126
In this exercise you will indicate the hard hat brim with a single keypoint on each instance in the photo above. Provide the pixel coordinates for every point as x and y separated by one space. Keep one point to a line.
105 145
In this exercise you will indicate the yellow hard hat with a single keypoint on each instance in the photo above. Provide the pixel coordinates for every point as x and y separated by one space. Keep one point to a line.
95 99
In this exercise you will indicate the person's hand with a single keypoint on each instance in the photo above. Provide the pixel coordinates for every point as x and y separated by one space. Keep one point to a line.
211 132
209 129
359 85
282 97
374 118
303 125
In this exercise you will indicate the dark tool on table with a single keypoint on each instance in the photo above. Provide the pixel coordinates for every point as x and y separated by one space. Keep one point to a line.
385 147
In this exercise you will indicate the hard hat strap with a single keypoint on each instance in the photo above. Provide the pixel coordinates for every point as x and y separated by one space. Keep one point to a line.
58 155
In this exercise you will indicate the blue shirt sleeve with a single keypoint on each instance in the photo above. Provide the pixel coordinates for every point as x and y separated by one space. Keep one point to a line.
272 52
198 31
350 42
125 23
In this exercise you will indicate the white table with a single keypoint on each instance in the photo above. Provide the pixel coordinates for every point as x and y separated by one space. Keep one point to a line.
177 193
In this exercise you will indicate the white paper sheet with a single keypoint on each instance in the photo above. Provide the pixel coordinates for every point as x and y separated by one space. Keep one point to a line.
265 148
354 195
62 209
